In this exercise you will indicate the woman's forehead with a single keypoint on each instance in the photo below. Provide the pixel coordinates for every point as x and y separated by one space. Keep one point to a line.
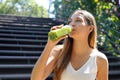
77 15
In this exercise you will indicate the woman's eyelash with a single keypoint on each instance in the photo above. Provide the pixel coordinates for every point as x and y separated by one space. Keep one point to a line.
78 20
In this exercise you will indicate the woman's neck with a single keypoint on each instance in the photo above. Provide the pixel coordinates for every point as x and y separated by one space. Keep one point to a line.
81 47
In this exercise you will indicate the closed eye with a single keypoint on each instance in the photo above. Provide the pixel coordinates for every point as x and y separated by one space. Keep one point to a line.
78 20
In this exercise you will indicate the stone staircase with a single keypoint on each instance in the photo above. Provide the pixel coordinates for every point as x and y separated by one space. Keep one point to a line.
114 67
22 40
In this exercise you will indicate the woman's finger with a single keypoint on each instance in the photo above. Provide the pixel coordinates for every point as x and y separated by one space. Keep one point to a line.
56 27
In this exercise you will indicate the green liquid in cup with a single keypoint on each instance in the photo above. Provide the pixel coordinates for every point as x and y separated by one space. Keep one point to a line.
55 34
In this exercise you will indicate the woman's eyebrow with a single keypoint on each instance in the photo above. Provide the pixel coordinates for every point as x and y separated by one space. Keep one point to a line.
79 18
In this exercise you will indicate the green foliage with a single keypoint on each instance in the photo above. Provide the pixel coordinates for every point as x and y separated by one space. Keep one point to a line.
22 8
108 25
64 8
107 21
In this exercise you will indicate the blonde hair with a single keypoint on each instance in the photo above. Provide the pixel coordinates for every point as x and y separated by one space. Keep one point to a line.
65 54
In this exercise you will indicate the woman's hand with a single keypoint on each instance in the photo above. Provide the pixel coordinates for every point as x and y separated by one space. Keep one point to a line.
54 42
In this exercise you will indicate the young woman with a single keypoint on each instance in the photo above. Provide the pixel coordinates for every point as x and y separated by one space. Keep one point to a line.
78 58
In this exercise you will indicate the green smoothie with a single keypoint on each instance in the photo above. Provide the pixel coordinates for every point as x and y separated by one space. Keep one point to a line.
55 34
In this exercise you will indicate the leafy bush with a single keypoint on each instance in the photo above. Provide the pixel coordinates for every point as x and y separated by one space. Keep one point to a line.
106 17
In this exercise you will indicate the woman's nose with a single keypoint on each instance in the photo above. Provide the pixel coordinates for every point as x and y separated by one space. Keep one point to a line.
72 23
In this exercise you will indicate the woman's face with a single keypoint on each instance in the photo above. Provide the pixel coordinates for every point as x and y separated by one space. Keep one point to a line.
79 25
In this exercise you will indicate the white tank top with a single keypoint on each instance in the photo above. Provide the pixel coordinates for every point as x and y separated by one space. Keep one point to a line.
87 72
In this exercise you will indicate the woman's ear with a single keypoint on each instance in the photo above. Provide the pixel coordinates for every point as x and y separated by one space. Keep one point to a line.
91 28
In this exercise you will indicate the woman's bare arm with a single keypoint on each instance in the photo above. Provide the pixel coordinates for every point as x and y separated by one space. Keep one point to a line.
103 68
46 63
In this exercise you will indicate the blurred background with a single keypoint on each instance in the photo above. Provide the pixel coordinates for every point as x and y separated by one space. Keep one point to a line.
24 25
106 12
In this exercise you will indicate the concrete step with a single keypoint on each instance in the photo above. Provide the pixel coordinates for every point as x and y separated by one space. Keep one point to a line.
23 36
19 77
23 32
41 28
114 75
24 19
5 66
23 22
114 66
22 48
22 41
18 59
21 45
15 76
16 68
19 53
113 59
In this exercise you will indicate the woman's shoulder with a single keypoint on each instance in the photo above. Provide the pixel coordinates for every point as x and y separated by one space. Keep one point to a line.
99 54
102 61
